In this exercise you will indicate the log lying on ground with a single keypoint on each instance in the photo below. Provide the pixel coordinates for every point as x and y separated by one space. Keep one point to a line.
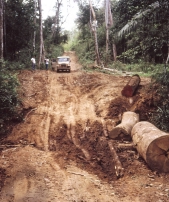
129 119
131 86
118 166
152 144
125 146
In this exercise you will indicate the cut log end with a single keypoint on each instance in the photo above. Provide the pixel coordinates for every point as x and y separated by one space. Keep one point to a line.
117 132
131 86
127 91
123 130
158 154
152 144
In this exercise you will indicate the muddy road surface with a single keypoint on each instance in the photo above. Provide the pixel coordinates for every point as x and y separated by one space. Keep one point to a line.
59 152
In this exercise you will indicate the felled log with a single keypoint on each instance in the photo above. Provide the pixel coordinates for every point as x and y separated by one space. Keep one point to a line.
123 146
131 86
129 119
118 166
152 144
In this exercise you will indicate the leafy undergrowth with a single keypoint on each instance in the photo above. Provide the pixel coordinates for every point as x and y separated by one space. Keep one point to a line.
9 101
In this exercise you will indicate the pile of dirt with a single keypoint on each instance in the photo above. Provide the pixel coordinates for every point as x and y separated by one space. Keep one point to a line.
33 89
117 107
89 149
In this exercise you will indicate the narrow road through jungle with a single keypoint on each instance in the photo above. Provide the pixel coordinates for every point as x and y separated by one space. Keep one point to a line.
59 151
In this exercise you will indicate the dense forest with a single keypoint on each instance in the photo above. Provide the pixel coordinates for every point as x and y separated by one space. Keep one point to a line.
126 34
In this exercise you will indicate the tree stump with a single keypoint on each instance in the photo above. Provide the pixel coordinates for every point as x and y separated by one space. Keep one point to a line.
152 144
129 119
131 86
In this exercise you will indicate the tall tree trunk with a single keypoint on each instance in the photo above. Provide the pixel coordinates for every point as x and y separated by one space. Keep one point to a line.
1 29
34 33
57 18
4 30
167 56
43 51
114 52
96 47
94 29
107 40
109 22
40 34
107 45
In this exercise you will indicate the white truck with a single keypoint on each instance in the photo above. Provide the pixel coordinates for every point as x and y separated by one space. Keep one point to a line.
62 63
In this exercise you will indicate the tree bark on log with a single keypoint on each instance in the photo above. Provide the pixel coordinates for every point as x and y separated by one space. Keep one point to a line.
128 146
118 166
152 144
131 86
129 119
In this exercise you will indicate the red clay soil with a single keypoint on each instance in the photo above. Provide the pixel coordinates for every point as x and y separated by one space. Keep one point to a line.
60 153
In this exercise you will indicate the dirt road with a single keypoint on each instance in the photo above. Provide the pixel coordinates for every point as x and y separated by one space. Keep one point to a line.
59 152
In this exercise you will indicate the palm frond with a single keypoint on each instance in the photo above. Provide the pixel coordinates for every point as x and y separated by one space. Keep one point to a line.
134 22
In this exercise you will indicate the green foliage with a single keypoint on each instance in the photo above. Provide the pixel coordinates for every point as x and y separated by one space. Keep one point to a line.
19 27
23 58
83 16
47 30
85 45
10 66
56 51
161 116
117 65
144 27
130 55
161 78
140 67
69 46
9 101
84 51
53 35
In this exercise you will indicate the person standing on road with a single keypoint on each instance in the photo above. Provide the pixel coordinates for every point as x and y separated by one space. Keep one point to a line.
46 63
33 63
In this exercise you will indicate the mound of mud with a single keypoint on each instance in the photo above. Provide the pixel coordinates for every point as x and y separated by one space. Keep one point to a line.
88 148
117 107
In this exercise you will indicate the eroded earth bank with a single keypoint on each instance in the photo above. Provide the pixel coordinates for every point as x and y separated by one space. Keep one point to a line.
59 152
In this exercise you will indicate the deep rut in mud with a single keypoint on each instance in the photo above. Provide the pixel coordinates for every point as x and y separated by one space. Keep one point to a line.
62 151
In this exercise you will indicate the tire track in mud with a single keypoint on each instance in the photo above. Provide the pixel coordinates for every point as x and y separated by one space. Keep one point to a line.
72 112
29 131
45 122
42 129
77 127
70 160
75 106
69 119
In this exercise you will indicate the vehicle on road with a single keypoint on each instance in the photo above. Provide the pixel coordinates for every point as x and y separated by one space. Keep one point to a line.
62 63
